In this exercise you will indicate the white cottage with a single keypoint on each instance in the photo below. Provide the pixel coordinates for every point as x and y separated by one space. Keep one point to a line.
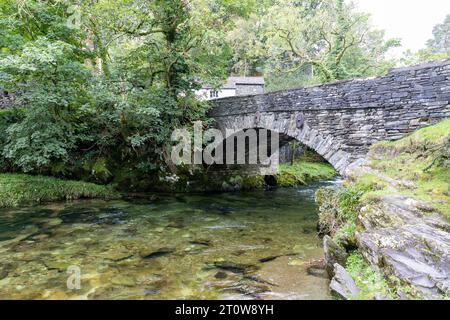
235 86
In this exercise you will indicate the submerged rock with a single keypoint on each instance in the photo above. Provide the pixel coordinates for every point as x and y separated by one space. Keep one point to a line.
333 254
60 266
235 267
268 259
225 210
201 242
317 271
343 284
176 223
150 291
5 270
153 254
247 288
272 258
221 275
125 281
118 256
104 216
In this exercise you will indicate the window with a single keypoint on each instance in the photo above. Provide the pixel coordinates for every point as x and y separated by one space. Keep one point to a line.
213 94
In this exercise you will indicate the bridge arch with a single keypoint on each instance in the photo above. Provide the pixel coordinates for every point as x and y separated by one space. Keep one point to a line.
325 145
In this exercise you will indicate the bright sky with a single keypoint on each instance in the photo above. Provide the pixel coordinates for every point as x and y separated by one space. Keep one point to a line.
410 20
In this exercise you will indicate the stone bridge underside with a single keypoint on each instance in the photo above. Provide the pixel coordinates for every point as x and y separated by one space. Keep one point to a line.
341 120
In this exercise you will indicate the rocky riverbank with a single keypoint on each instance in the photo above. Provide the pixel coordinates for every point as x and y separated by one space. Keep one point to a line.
388 231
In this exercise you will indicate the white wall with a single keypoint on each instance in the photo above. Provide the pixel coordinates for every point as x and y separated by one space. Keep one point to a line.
204 93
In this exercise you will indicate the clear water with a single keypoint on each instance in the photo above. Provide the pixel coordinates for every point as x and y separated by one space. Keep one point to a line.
258 245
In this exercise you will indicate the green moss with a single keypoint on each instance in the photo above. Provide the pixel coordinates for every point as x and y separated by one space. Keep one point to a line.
253 183
368 280
20 189
421 164
346 233
400 288
302 172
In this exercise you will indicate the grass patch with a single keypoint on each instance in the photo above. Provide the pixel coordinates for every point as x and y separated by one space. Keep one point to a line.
422 162
21 189
301 172
372 282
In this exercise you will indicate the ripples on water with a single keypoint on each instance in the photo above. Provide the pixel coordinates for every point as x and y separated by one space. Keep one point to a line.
256 245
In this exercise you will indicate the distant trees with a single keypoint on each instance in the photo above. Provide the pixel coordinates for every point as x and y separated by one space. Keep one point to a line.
311 40
441 40
436 48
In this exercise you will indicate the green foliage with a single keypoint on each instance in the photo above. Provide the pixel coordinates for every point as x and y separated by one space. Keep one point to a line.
20 189
276 81
55 92
22 21
326 199
98 169
107 92
436 48
440 43
373 283
7 118
339 211
368 280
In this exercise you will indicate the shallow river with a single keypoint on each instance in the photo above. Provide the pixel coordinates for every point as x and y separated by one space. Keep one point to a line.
258 245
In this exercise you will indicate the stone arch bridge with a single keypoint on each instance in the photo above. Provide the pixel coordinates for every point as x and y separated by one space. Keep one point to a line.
341 120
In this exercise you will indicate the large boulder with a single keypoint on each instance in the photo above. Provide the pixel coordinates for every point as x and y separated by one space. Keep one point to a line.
342 285
333 254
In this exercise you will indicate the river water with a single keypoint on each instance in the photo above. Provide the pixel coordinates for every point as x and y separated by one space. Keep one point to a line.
255 245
